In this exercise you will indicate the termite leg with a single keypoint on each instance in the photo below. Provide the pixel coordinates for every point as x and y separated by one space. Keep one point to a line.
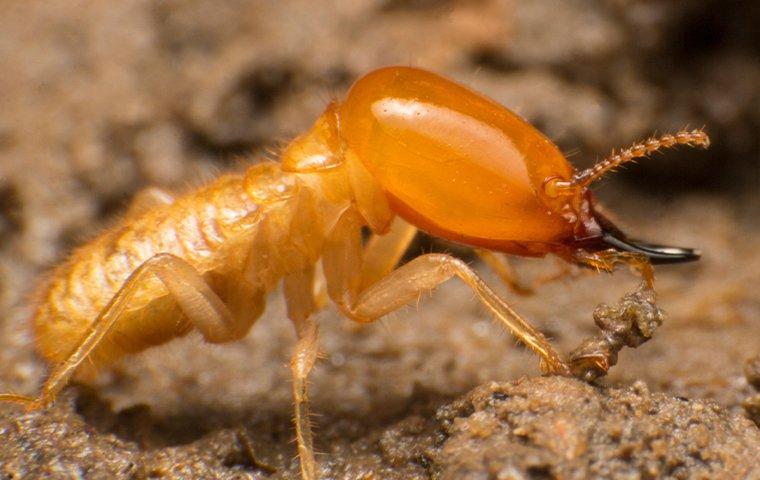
503 268
299 296
428 271
383 252
301 363
198 302
401 286
607 259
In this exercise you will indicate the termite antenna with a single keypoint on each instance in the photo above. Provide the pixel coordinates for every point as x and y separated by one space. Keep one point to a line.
27 402
695 138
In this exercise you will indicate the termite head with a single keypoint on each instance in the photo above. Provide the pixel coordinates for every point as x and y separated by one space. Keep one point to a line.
460 166
595 232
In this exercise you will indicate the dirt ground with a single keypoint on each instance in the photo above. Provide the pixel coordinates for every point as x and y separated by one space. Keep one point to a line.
100 99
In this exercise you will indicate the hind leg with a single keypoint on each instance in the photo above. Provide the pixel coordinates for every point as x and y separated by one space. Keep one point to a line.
198 302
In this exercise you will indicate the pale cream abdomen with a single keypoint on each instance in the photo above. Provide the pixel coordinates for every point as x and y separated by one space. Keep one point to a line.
211 228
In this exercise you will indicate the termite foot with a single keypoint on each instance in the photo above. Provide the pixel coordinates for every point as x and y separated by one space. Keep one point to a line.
629 323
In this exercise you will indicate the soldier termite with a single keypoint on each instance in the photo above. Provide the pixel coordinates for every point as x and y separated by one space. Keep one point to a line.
406 150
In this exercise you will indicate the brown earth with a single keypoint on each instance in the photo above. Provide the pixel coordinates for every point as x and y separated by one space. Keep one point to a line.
100 99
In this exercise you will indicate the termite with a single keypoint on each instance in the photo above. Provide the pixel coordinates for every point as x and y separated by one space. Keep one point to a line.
406 150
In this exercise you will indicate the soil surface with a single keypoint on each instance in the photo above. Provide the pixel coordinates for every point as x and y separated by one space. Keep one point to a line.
100 99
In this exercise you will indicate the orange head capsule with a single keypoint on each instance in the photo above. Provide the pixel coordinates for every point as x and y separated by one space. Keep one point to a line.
461 166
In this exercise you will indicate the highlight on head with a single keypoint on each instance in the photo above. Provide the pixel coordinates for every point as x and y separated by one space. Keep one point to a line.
556 187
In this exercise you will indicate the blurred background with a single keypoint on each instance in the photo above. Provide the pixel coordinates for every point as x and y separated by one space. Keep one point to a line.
99 99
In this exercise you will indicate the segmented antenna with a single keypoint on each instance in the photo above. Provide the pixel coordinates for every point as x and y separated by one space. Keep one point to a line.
695 138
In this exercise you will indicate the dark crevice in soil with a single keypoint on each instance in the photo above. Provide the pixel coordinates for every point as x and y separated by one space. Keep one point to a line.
11 218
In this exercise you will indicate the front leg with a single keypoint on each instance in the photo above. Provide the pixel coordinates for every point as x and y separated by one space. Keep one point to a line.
342 263
607 259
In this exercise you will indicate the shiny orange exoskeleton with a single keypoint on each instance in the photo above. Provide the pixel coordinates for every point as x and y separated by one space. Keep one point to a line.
406 150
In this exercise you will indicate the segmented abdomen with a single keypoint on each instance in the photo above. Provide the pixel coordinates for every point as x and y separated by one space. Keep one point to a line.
209 228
